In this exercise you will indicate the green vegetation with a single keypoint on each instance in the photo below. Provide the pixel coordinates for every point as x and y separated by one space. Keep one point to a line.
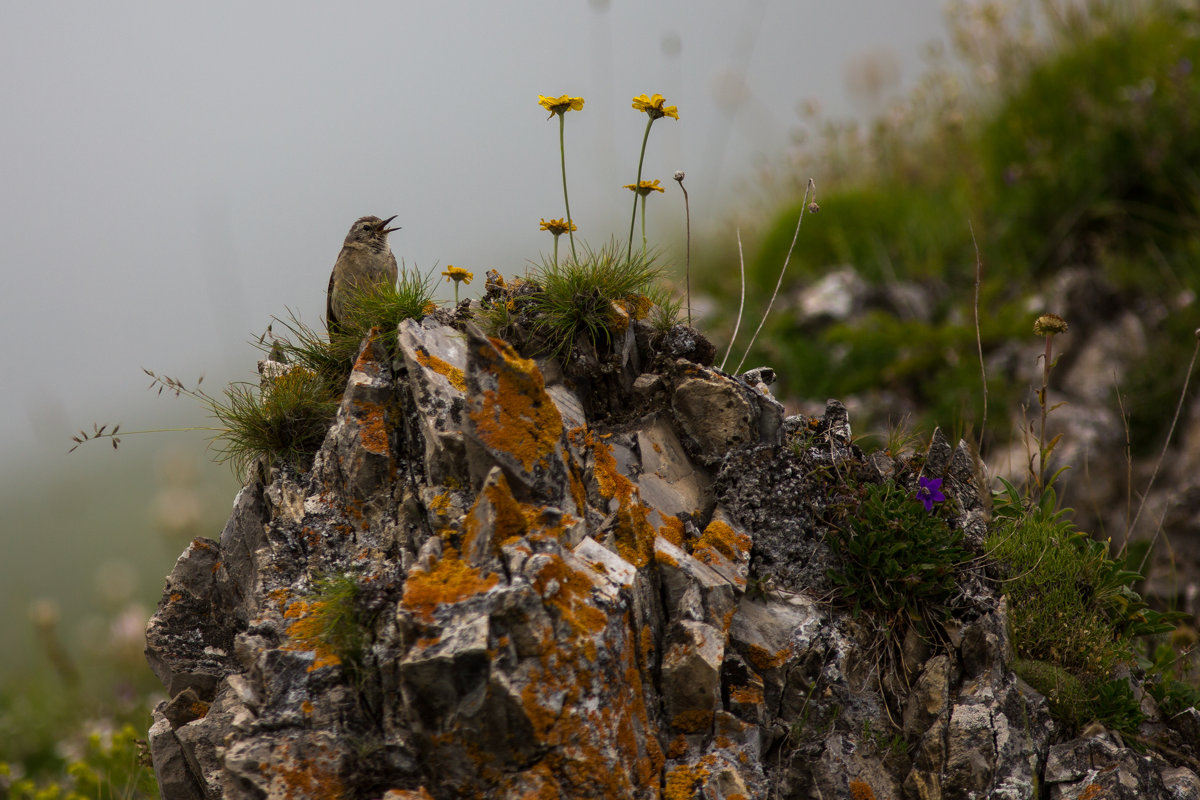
898 560
337 621
111 766
78 734
578 299
1074 148
1074 615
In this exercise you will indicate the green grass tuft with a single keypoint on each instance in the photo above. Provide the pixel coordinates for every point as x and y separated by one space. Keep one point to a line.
286 419
576 299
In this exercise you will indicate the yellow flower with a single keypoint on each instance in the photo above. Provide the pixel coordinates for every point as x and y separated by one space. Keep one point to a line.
457 274
558 226
560 105
645 187
654 106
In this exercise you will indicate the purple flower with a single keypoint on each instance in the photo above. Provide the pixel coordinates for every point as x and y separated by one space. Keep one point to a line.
930 492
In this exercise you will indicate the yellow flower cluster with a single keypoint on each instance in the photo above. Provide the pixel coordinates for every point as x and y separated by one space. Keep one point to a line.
654 106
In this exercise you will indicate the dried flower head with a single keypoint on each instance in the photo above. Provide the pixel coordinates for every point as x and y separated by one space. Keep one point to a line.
679 176
1049 325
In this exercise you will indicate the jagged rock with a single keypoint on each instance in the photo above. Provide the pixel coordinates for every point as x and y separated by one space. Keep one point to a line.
435 356
547 605
189 642
1097 766
720 414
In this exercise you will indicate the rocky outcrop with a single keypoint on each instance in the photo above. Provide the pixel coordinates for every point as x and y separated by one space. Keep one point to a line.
484 588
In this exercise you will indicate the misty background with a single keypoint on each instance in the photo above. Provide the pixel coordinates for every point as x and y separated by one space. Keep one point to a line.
175 175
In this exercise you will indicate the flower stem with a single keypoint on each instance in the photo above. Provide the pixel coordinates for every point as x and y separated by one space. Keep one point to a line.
688 258
562 156
643 223
1041 476
637 184
556 249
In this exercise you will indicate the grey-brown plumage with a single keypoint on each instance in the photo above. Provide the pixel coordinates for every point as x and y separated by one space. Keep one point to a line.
365 260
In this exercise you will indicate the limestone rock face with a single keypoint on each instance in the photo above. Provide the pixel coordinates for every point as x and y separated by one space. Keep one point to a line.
480 590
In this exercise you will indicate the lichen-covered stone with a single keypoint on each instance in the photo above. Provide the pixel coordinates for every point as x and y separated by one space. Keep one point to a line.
552 602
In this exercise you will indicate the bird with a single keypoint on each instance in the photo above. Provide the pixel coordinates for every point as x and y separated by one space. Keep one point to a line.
365 261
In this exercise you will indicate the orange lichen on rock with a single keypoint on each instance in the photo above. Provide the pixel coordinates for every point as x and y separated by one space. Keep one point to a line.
516 416
594 725
719 536
747 695
307 632
449 581
313 774
440 504
697 720
447 370
609 480
677 747
672 530
569 591
861 790
633 533
372 426
683 782
763 659
647 645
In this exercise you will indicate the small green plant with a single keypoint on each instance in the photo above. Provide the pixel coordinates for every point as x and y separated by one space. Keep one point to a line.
1171 674
665 313
337 621
898 560
576 300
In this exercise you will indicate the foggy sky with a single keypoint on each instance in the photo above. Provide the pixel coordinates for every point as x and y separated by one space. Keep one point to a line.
174 174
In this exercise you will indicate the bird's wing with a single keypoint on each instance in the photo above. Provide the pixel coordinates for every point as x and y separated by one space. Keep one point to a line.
331 322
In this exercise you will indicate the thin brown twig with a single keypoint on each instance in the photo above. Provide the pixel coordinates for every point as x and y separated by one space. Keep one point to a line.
978 335
687 269
811 188
741 303
1162 456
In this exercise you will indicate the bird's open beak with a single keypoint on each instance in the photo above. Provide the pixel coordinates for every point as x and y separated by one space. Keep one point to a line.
384 229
